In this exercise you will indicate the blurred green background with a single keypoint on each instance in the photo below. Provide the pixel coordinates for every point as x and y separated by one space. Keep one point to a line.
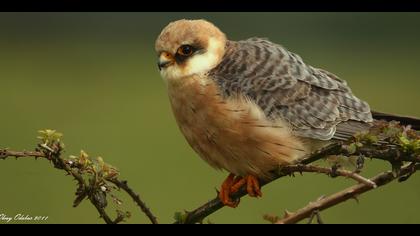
93 76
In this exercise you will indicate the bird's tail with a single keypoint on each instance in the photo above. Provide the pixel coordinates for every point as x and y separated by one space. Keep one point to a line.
404 120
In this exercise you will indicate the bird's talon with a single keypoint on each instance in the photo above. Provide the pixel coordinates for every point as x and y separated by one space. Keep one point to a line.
238 183
253 186
232 185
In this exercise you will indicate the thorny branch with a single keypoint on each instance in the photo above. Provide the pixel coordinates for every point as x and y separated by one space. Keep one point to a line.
123 185
332 172
95 189
339 197
391 142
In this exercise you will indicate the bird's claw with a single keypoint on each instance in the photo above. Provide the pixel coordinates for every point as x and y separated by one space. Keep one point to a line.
233 184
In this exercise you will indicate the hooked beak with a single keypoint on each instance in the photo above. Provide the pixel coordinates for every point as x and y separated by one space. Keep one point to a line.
165 60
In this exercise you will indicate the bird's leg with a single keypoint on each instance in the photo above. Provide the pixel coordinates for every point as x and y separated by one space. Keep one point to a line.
239 182
225 191
252 186
232 185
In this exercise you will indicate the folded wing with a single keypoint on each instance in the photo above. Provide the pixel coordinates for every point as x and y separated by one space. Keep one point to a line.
316 103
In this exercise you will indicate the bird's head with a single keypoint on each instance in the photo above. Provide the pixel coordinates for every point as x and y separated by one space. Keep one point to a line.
188 47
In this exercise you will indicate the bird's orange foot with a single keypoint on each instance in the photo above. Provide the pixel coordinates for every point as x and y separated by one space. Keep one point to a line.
252 186
232 184
225 191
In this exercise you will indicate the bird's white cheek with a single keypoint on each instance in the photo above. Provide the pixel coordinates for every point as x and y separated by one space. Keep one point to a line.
204 62
201 64
198 64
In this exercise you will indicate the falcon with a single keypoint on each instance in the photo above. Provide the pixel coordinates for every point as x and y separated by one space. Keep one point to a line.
251 106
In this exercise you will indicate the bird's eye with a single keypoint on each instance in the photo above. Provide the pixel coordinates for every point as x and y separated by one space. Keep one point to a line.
185 50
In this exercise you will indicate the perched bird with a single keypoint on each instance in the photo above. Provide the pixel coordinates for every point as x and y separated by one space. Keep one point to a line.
251 106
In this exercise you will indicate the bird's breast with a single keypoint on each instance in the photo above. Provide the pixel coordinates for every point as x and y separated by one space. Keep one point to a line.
231 133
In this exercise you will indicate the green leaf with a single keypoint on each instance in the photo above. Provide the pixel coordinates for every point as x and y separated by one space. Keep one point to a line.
352 148
83 154
50 136
404 140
